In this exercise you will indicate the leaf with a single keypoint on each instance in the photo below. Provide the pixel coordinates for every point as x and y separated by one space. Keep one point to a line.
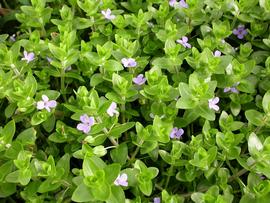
49 124
9 131
117 195
255 117
5 169
266 102
64 163
27 137
91 165
206 113
57 51
111 172
7 189
118 130
120 153
254 144
82 194
112 65
10 109
49 185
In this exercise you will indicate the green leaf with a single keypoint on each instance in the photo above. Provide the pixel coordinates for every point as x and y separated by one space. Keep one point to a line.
266 102
82 194
5 169
117 195
91 165
27 137
49 124
57 51
8 132
50 184
254 144
119 129
111 172
205 112
255 117
120 153
7 189
112 65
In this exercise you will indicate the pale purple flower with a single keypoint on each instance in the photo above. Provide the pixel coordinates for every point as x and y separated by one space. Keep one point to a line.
232 89
139 80
28 56
217 53
108 14
183 4
176 133
86 123
156 200
121 180
212 103
68 68
112 109
49 59
45 103
13 38
129 62
184 42
172 3
240 31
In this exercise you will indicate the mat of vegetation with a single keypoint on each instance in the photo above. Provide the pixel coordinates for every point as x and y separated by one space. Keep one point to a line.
135 101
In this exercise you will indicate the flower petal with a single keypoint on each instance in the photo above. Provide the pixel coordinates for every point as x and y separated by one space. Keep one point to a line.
40 105
45 98
84 118
51 103
83 127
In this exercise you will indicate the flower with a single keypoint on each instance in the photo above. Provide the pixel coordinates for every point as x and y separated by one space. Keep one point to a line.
45 103
183 4
184 42
217 53
240 32
172 3
139 80
13 38
232 89
112 109
28 57
49 59
68 68
176 133
86 123
108 14
129 62
121 180
212 103
156 200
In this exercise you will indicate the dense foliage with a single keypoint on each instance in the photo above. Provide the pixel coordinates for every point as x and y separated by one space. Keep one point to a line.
135 101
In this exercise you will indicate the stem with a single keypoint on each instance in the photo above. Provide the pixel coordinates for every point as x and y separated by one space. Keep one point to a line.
6 4
16 71
135 153
62 81
158 187
105 130
240 182
169 176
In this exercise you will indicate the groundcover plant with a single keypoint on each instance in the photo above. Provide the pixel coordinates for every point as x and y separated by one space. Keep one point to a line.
135 101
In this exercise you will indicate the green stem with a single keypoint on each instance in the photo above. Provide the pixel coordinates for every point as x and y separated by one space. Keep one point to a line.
158 187
62 81
135 153
169 176
240 182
